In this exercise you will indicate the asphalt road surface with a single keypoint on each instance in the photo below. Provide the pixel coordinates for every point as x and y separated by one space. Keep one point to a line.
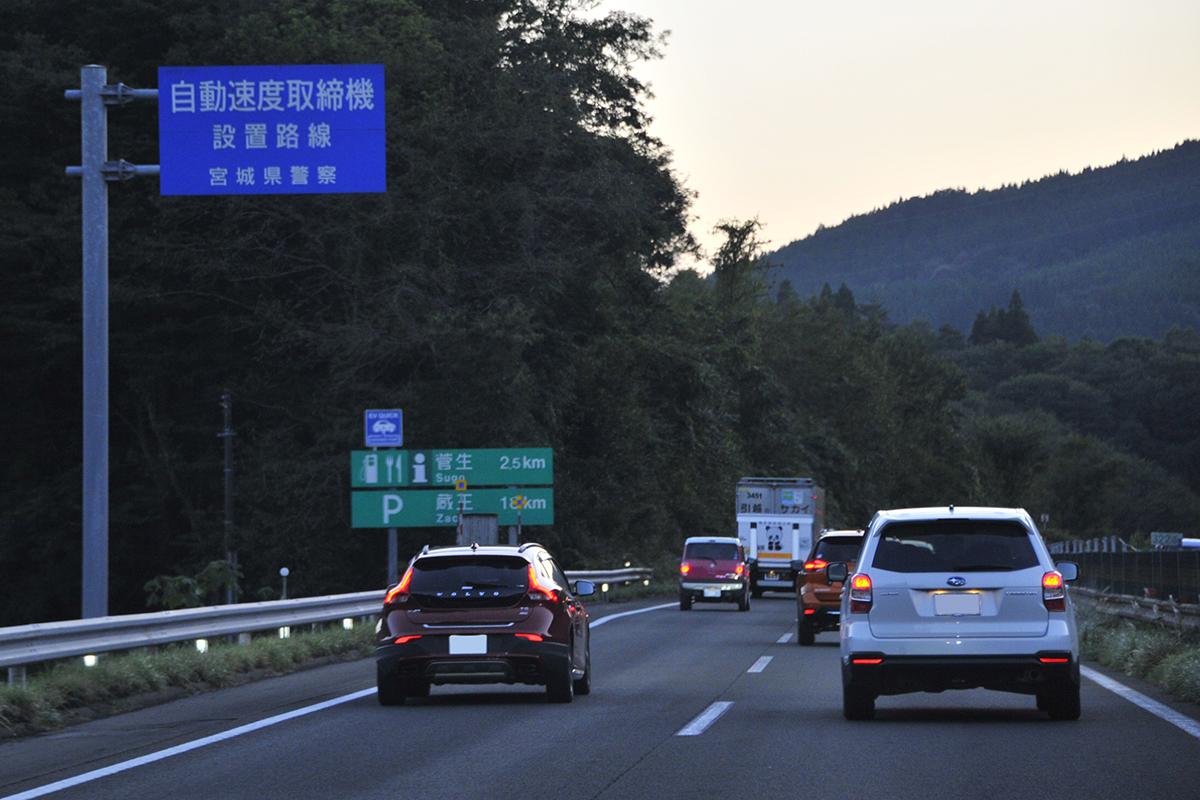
704 704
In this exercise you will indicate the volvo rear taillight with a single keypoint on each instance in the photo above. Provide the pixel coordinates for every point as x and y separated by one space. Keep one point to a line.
539 590
532 637
407 639
815 565
1054 592
399 592
860 593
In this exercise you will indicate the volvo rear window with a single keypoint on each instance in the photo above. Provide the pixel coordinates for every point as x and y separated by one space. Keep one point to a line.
470 576
954 546
717 551
839 548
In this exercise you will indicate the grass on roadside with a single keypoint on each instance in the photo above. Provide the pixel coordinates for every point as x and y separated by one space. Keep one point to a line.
51 695
1167 658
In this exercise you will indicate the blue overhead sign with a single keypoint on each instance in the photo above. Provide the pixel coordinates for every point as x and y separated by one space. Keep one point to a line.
383 427
298 129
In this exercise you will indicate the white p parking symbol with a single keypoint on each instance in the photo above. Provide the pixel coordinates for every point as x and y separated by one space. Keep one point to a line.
393 504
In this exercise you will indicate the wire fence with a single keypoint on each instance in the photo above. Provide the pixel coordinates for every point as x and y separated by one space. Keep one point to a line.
1156 574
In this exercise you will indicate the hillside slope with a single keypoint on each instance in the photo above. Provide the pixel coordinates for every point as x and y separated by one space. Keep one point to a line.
1104 253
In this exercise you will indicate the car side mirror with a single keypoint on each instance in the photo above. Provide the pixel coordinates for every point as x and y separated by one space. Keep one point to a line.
1069 570
837 572
584 588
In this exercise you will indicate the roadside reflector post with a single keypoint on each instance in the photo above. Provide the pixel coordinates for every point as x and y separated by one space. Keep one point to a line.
348 624
90 660
16 677
243 639
285 632
202 645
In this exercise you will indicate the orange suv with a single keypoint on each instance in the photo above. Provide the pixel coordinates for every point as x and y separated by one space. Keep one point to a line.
818 602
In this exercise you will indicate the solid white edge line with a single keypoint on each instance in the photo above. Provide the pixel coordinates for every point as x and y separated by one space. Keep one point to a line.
598 622
787 637
159 755
706 718
1181 721
150 758
761 664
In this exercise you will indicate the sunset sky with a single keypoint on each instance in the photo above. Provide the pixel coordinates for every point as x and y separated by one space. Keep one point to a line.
804 113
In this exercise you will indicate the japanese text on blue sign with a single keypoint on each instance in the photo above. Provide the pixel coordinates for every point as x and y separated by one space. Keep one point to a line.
300 129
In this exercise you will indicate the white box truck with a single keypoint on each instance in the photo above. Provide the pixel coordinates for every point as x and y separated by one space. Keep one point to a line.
778 519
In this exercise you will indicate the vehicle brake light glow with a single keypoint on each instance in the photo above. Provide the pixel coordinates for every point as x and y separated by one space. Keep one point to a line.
815 564
533 637
866 661
1054 660
861 597
685 568
407 639
537 588
808 612
1054 592
399 592
741 569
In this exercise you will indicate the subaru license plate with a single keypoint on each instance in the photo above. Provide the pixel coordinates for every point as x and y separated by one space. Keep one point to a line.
956 604
712 592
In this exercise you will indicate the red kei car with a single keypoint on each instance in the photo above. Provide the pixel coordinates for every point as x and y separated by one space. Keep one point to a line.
496 614
714 570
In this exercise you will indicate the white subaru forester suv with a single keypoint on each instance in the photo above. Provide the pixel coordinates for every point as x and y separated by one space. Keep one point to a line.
957 598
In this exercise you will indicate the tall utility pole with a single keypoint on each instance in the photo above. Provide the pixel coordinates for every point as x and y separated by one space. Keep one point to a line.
230 553
95 95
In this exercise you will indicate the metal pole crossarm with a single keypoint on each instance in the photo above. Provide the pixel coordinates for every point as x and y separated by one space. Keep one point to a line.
122 170
116 94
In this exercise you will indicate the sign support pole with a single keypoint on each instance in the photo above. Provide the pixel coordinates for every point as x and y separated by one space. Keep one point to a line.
393 557
95 95
94 130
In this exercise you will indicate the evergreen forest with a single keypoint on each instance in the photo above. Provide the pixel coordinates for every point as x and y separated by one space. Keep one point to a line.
1104 253
517 285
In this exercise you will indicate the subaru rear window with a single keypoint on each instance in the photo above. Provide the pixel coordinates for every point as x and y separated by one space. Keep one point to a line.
445 574
844 548
954 546
717 551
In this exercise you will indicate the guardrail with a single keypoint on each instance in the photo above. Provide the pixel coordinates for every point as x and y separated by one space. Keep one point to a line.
49 641
1181 616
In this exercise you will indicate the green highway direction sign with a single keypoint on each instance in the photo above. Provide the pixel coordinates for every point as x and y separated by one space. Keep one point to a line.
528 466
423 509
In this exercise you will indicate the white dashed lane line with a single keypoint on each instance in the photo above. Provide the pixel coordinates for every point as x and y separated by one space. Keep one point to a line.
787 637
706 718
761 664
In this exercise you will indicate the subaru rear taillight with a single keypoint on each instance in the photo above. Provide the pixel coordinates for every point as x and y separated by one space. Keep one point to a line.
1054 592
860 593
532 637
815 565
407 639
399 592
685 568
539 590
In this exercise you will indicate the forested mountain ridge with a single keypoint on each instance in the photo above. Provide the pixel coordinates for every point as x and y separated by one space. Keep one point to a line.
1103 253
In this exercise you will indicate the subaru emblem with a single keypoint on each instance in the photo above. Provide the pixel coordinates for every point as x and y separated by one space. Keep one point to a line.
956 581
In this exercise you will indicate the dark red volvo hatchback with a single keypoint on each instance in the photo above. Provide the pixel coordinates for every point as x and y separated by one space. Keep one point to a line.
496 614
